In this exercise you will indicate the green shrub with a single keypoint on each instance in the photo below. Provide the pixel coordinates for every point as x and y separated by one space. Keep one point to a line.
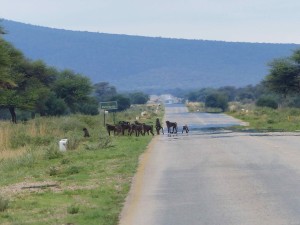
3 204
294 112
105 141
73 141
216 100
267 102
72 170
53 171
65 161
52 152
73 209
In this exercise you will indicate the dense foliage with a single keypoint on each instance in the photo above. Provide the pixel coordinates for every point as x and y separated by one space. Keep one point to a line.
90 180
218 97
216 100
267 102
35 87
284 75
104 92
138 98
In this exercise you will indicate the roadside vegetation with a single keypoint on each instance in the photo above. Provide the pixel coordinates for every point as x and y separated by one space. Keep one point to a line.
39 106
274 104
87 184
259 118
269 119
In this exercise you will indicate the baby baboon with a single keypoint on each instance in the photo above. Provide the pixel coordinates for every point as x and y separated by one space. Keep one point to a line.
85 132
185 128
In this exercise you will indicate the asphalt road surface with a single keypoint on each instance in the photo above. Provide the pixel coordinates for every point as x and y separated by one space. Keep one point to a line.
216 177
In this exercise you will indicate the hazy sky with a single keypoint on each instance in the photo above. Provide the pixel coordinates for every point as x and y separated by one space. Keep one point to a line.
272 21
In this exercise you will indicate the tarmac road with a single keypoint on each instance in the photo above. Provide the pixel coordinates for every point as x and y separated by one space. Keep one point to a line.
215 176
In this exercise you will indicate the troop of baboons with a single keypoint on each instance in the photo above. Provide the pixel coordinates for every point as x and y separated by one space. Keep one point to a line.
138 128
134 128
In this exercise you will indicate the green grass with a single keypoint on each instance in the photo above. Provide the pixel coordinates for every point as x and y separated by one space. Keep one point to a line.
93 178
286 119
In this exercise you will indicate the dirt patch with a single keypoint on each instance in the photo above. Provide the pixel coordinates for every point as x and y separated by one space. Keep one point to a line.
37 187
23 187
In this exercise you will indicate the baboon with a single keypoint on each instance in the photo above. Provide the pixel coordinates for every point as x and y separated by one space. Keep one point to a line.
138 129
148 128
173 125
115 129
86 132
185 128
125 126
158 127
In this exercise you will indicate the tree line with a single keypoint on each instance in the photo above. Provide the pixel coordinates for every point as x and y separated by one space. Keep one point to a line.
32 87
281 87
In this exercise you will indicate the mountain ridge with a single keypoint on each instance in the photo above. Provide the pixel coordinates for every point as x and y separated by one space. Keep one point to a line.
147 63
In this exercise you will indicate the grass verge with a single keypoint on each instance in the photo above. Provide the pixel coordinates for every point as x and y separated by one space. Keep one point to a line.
84 185
286 119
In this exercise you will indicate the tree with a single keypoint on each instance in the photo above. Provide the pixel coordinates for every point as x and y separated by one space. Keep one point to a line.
217 100
5 80
200 95
20 89
73 88
284 76
123 102
55 106
296 56
192 96
266 101
138 98
90 107
104 91
228 91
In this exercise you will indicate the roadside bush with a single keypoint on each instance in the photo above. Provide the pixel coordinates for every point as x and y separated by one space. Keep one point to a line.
294 102
3 204
216 100
73 141
65 161
72 170
105 141
267 102
73 209
53 171
89 109
52 152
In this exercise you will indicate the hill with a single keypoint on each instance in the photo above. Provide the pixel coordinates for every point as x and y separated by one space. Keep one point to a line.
146 63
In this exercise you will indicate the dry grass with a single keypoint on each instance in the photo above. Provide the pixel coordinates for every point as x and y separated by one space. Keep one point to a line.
5 134
9 131
93 177
8 154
